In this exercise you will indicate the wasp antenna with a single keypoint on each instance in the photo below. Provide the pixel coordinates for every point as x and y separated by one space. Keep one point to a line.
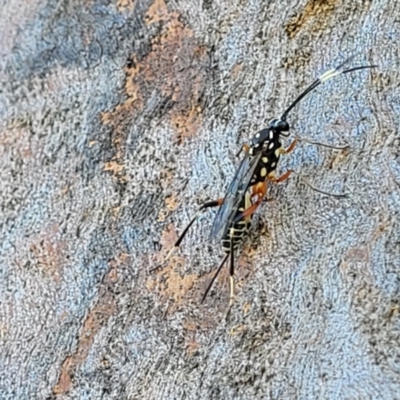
337 195
322 144
214 278
323 78
358 68
334 72
347 60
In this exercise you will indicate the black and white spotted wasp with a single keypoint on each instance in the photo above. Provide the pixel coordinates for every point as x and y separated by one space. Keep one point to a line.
249 184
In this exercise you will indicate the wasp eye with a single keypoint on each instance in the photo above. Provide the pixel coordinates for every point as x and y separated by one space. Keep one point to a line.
282 127
273 122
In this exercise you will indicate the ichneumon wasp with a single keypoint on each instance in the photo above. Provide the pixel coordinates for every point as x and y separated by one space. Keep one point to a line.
249 184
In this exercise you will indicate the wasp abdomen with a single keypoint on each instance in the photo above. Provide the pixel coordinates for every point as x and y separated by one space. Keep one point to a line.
235 233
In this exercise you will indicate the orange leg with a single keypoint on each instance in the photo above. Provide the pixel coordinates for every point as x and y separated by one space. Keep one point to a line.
258 191
244 148
282 178
290 148
286 175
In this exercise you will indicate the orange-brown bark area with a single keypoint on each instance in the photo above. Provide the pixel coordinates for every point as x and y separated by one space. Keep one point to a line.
126 5
174 71
315 15
177 289
96 318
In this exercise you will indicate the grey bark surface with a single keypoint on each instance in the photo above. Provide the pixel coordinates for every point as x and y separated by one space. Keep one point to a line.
117 120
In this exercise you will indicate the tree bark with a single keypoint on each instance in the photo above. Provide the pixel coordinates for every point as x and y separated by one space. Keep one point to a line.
117 120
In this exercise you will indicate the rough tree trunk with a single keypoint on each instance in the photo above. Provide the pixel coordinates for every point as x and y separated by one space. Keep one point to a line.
117 119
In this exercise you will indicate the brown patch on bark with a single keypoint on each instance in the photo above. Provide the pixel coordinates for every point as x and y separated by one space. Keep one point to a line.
177 288
171 285
187 123
337 158
95 320
120 118
171 203
238 330
117 170
176 65
357 254
299 59
167 282
173 71
355 268
125 5
191 344
236 69
315 14
166 177
17 137
49 251
158 11
246 308
194 325
168 239
64 382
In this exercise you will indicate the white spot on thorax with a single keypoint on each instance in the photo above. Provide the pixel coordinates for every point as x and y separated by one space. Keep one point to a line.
263 172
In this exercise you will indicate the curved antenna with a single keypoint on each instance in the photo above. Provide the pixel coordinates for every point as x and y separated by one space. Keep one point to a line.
323 78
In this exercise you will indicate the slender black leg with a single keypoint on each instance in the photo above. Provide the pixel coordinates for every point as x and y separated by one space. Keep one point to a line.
231 277
338 195
208 204
214 277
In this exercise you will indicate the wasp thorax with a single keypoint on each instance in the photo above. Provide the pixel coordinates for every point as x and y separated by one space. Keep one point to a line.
260 139
263 138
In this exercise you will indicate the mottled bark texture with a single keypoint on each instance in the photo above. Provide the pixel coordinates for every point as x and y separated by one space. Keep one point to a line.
117 119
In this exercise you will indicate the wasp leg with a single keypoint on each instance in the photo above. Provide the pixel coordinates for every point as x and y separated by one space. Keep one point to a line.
208 204
290 148
258 192
244 148
231 274
282 178
214 277
231 281
290 171
323 144
339 195
231 254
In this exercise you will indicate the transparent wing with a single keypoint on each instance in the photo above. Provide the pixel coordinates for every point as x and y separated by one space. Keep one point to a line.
234 196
